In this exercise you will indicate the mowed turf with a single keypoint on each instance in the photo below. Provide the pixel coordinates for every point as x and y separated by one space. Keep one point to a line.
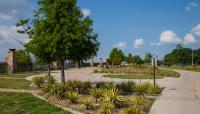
14 83
24 103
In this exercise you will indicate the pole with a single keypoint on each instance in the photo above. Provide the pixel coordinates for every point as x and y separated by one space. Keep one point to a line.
192 58
154 72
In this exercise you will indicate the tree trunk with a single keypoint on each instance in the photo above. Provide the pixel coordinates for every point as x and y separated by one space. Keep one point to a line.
62 73
78 64
49 70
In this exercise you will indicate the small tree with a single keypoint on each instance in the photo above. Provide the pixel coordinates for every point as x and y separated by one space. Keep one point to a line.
129 59
116 56
137 60
148 57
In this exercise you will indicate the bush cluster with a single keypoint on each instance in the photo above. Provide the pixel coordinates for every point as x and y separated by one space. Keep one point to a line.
104 97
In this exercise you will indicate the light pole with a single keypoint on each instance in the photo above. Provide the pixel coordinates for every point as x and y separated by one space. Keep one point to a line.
192 58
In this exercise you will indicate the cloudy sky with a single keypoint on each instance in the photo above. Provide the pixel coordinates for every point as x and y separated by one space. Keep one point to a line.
135 26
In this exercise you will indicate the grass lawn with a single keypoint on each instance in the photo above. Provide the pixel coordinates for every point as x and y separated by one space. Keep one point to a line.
14 83
132 76
21 75
24 103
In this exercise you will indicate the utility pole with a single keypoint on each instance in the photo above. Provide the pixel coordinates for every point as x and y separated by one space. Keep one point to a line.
192 58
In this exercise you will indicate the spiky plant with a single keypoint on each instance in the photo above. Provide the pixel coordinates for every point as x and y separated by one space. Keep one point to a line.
72 96
107 108
126 87
132 110
97 93
154 89
87 101
57 90
140 90
112 96
39 81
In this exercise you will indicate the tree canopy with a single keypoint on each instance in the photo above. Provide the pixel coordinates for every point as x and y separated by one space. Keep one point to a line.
116 56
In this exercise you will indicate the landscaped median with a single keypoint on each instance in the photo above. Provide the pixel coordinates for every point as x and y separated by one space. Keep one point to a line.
99 98
143 72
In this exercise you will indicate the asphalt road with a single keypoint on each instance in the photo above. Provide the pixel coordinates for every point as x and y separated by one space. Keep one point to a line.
181 95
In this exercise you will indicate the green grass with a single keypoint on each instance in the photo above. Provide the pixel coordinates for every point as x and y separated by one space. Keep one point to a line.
14 83
132 77
24 103
21 75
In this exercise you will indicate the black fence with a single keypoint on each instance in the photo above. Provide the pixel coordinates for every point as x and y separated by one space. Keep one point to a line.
3 67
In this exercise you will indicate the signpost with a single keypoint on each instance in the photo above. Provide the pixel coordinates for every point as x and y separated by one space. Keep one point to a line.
154 64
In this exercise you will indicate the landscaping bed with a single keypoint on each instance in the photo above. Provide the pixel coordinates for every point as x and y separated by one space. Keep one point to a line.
143 72
99 98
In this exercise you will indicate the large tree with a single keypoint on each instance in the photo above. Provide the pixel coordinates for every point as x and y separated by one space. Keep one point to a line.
116 56
60 29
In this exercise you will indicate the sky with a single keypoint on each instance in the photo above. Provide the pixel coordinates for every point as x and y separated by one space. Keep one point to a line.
134 26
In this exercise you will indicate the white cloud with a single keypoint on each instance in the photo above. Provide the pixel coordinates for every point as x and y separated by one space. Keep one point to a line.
169 37
155 44
191 5
10 9
189 39
196 30
138 43
120 45
86 12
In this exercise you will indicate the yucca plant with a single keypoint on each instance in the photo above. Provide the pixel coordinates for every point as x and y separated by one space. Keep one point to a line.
58 90
87 101
72 96
137 105
105 85
153 90
140 90
112 96
97 93
126 87
107 108
39 81
50 79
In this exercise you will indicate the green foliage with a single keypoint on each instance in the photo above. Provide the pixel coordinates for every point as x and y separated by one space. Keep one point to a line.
96 93
116 56
137 105
39 81
75 85
23 57
112 96
58 90
137 60
141 89
126 87
51 79
148 57
107 108
153 90
105 85
193 68
87 101
73 96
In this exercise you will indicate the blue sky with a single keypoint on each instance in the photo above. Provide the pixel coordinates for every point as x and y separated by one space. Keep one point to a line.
135 26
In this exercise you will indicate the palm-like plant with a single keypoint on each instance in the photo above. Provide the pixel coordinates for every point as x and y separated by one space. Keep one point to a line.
96 93
87 101
112 96
140 90
107 108
72 96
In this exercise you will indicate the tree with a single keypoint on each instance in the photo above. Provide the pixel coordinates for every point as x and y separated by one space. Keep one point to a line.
129 59
60 29
116 56
137 60
148 57
23 57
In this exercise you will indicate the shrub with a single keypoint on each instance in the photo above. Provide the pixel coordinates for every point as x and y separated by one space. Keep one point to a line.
112 96
140 89
72 96
51 79
96 93
193 68
126 87
107 108
58 90
39 81
137 105
106 85
78 86
46 88
87 101
154 89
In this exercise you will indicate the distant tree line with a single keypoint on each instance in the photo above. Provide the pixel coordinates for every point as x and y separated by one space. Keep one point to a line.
182 56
